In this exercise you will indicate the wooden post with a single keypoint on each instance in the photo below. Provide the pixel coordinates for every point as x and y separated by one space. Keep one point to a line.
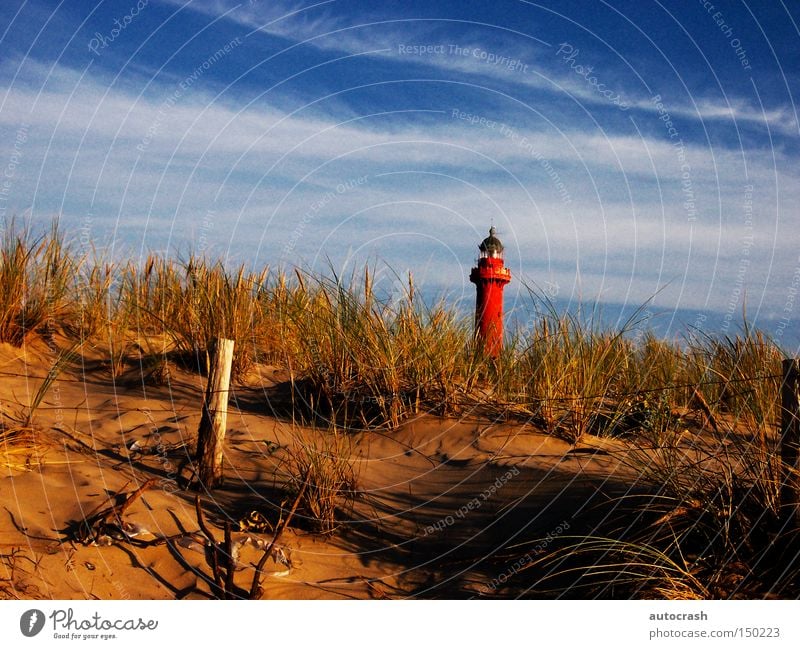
211 434
790 443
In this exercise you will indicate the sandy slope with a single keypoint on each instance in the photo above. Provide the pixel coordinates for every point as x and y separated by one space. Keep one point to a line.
437 496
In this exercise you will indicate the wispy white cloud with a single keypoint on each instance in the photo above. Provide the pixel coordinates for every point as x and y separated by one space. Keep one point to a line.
318 26
259 172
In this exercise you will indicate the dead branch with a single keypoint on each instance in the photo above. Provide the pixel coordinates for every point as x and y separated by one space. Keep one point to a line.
255 589
108 522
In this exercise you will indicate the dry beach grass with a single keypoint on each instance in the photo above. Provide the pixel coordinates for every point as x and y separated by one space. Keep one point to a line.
376 428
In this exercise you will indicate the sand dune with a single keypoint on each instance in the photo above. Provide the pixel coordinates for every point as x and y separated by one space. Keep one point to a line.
437 497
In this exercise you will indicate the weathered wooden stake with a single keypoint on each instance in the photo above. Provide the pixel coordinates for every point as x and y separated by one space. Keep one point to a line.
211 434
790 443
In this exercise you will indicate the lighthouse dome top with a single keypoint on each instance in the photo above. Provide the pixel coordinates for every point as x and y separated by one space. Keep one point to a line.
491 245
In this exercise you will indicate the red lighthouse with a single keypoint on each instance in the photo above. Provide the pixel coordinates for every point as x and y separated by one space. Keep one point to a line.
490 277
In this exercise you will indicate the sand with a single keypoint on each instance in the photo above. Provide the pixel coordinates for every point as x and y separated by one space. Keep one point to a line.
436 496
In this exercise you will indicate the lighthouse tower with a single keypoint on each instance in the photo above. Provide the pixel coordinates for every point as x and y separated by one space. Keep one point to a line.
490 277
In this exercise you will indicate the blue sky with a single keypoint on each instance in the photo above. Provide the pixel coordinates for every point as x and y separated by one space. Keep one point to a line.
622 149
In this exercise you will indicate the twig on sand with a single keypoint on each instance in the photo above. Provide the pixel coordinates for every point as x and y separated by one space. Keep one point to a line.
221 558
231 561
255 589
108 522
213 558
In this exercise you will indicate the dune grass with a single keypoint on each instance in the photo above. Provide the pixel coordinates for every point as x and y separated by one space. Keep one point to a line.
320 472
373 361
360 361
35 279
705 523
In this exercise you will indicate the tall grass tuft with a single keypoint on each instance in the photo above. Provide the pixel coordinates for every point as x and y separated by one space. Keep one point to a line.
575 373
739 375
596 566
193 303
321 472
35 279
373 362
706 522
